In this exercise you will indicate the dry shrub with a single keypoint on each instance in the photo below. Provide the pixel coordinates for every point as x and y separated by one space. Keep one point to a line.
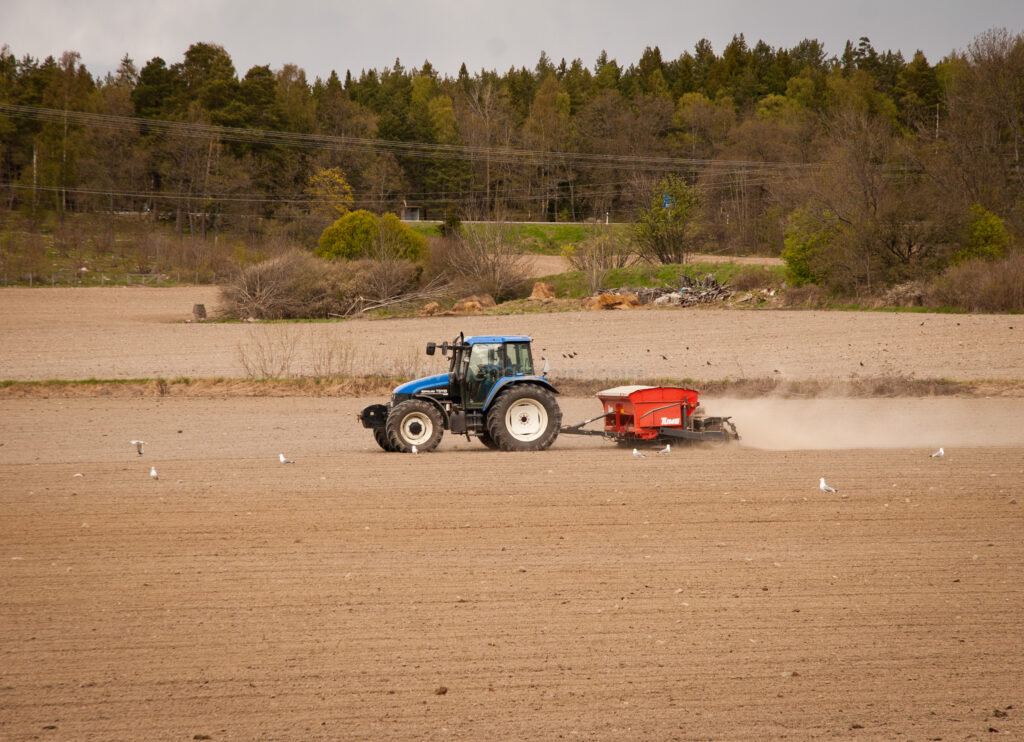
269 351
755 277
294 285
331 357
981 286
809 295
295 351
597 255
386 278
909 294
484 260
297 285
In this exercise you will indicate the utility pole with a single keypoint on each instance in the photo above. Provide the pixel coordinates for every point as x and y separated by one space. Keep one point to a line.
35 178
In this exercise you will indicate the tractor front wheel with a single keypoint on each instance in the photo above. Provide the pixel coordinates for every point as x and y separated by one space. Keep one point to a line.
381 436
414 422
525 417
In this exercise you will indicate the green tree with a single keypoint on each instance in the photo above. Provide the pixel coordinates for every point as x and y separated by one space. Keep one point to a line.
670 229
985 236
577 81
360 234
331 190
338 115
60 143
918 92
112 160
431 119
607 73
548 130
702 124
208 77
157 87
806 240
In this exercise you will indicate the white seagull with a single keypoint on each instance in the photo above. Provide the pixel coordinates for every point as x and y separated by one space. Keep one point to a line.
284 459
415 450
666 449
139 445
938 454
544 371
638 454
152 472
824 487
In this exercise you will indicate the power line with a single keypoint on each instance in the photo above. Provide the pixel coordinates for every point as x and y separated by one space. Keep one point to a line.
495 155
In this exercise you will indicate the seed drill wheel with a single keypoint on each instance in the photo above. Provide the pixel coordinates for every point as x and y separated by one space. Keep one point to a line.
524 417
414 422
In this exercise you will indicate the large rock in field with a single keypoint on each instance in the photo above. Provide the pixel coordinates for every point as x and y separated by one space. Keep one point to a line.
473 304
611 301
542 290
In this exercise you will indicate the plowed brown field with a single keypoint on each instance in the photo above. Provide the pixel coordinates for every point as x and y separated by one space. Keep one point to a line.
577 593
137 332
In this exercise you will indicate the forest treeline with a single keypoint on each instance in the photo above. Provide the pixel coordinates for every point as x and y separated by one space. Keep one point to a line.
864 169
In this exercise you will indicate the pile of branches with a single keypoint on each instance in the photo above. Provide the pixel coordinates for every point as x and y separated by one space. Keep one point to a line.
703 291
297 285
689 292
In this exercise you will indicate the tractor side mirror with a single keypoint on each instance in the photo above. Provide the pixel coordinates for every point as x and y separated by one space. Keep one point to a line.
431 347
444 348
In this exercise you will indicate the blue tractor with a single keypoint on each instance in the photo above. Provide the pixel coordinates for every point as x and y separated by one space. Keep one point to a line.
490 391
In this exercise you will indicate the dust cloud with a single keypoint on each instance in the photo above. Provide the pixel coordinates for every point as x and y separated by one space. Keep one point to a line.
798 424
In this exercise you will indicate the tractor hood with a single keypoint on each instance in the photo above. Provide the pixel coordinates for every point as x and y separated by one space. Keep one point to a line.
418 385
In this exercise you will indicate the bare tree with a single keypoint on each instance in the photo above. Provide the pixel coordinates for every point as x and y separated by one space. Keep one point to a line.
484 258
484 121
598 254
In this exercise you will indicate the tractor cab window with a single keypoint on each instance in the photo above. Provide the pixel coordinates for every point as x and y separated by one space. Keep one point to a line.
487 363
485 366
519 359
485 359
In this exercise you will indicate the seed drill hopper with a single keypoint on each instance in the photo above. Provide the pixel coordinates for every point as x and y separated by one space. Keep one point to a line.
637 415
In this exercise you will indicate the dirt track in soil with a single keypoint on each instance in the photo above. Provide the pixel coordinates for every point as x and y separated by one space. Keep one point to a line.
577 593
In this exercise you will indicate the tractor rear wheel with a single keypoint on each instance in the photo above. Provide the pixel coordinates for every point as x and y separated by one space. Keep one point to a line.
524 417
414 422
381 436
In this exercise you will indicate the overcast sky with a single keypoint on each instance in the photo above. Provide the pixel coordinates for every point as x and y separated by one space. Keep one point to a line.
321 35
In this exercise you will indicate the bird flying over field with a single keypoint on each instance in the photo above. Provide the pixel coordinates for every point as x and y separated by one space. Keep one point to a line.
284 459
938 454
666 449
824 487
152 472
415 450
139 446
638 455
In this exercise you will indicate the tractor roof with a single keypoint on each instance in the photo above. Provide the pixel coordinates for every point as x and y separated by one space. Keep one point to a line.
498 339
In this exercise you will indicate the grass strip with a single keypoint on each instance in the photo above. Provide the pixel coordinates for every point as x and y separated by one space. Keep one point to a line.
372 386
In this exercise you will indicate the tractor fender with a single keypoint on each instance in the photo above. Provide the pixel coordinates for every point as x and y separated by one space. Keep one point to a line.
510 380
438 405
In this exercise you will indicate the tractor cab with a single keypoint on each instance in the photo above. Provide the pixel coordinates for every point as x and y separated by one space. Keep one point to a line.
478 364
